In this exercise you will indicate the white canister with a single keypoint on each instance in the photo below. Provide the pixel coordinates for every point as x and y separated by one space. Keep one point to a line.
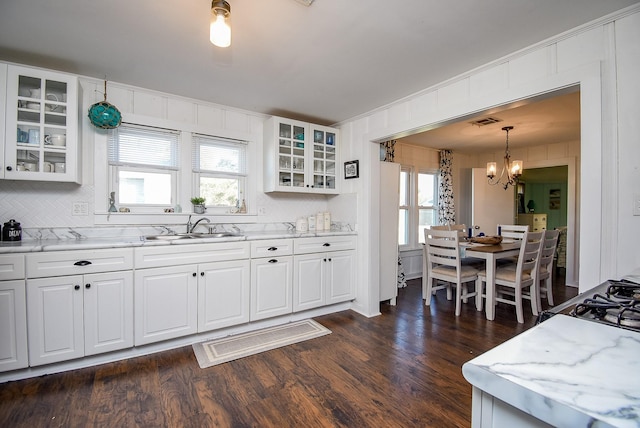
319 222
301 224
327 221
312 223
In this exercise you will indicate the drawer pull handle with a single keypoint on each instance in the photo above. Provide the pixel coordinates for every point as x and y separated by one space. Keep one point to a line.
272 248
82 263
326 244
273 261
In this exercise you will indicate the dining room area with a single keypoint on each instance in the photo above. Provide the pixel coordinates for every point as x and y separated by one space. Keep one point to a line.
515 267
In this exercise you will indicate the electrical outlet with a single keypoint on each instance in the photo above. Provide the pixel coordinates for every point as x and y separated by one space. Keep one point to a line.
80 208
262 211
636 204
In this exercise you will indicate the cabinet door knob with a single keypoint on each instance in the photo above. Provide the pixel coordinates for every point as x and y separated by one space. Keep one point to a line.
9 168
194 274
329 258
87 286
201 273
324 259
77 287
326 244
82 263
272 248
273 261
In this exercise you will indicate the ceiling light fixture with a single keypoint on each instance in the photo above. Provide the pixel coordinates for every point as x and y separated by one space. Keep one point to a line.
219 29
513 169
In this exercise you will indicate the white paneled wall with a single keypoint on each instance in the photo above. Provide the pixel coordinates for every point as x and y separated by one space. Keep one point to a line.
591 57
43 204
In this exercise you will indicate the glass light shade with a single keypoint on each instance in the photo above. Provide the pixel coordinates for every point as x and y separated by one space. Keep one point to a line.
516 168
219 31
491 169
105 115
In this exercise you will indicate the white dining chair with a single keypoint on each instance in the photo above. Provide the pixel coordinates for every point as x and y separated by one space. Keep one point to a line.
442 253
545 269
512 231
512 280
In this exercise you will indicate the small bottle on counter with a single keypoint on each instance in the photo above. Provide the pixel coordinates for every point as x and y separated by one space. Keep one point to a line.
301 224
312 223
319 222
327 221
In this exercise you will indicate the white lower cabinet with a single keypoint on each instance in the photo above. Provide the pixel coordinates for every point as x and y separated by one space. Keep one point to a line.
13 326
165 303
62 305
271 278
323 279
73 316
271 287
223 294
174 298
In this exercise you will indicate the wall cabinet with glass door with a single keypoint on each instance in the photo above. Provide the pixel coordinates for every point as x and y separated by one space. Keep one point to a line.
41 138
300 157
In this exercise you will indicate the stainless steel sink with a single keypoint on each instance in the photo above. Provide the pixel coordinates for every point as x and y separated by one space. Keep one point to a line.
189 236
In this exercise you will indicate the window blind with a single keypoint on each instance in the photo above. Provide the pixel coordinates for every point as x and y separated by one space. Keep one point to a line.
144 146
217 155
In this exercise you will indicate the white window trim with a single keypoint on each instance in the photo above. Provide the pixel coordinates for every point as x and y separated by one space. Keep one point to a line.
433 207
414 210
99 158
241 177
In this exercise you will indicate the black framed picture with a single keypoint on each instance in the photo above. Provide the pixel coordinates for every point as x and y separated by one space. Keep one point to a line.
352 169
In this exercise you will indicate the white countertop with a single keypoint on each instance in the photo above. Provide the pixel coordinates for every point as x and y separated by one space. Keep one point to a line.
87 243
567 372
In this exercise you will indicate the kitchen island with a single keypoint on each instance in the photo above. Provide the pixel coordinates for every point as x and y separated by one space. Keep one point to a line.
564 372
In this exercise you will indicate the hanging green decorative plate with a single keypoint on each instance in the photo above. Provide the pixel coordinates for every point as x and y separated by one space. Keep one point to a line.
105 115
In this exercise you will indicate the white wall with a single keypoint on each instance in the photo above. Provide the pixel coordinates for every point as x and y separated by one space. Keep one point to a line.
43 204
602 58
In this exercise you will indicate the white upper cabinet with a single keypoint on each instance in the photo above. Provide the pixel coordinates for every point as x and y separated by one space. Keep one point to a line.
41 138
300 157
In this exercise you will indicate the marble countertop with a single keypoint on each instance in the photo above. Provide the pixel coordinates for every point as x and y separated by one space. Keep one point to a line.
567 372
98 242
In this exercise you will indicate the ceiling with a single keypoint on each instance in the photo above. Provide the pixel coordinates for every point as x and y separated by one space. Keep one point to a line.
554 119
325 63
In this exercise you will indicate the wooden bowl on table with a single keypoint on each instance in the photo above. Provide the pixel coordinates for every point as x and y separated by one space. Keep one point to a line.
489 240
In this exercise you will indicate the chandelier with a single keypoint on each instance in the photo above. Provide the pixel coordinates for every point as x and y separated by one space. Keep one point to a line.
511 170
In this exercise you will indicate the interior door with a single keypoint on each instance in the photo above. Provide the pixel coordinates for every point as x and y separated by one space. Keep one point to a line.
490 205
389 212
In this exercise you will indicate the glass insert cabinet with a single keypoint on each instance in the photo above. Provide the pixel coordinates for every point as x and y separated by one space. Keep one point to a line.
41 140
300 157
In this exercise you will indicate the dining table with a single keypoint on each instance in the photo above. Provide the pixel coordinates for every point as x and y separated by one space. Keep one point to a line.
491 253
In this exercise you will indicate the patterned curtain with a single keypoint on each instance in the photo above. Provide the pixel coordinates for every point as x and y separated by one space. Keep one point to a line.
446 206
387 151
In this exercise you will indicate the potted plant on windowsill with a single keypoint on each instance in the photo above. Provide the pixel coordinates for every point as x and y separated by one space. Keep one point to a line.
198 204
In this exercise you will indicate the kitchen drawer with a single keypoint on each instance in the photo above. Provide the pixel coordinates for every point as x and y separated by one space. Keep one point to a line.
271 248
323 244
173 255
59 263
11 266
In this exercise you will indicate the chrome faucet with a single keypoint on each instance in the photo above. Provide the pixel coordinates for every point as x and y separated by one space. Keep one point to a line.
191 227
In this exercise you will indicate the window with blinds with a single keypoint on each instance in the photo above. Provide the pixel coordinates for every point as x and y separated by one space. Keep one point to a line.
144 164
220 169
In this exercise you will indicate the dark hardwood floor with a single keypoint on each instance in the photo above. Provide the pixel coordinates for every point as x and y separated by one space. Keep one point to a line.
400 369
